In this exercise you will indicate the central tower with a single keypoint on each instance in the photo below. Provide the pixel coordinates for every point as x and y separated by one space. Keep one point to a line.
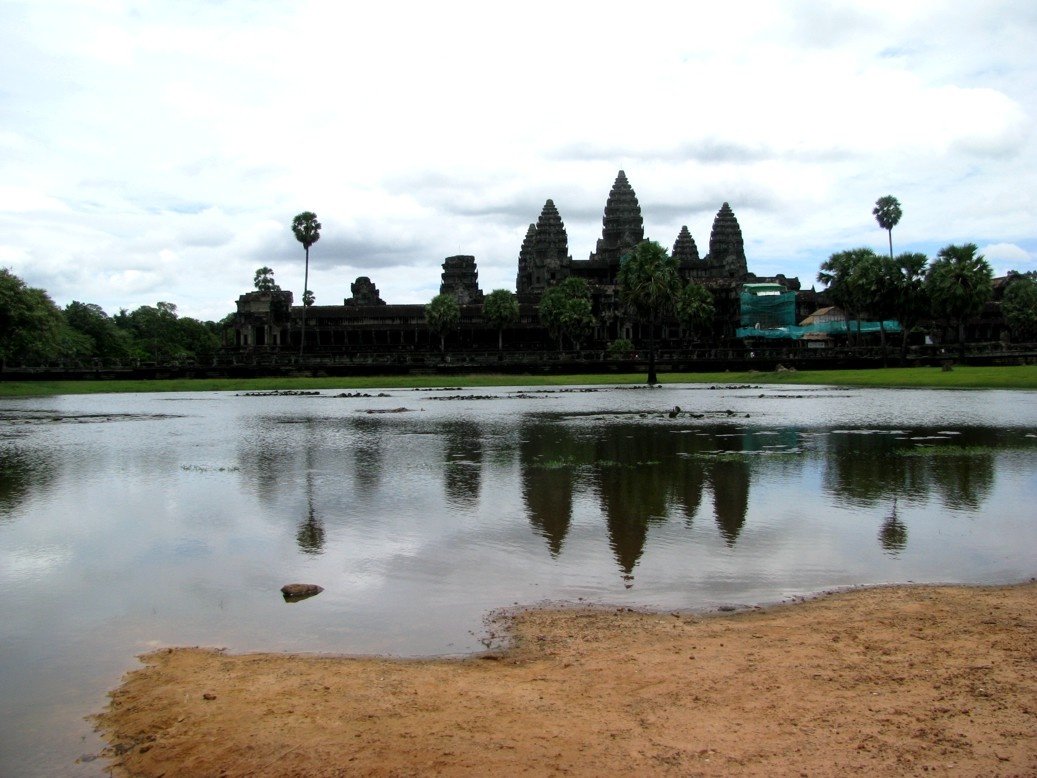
622 225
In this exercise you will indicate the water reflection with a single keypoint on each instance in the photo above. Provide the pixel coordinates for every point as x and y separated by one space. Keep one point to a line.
462 466
729 484
549 454
22 473
893 534
310 536
176 520
641 474
864 468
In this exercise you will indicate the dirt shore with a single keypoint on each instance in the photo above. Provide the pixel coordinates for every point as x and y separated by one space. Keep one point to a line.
912 680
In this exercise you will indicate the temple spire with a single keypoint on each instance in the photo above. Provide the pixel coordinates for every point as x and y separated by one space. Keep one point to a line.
524 281
726 248
684 248
548 259
622 225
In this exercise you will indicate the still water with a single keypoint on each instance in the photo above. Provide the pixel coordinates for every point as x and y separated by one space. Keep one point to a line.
129 522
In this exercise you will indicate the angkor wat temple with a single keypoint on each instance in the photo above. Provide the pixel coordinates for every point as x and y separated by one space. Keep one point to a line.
364 322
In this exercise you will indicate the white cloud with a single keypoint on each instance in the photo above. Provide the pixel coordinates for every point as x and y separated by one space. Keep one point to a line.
1008 256
418 130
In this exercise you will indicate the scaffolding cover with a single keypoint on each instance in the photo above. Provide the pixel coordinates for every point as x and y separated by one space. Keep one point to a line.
768 311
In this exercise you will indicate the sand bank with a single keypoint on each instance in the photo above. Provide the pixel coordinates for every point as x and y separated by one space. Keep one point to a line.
910 680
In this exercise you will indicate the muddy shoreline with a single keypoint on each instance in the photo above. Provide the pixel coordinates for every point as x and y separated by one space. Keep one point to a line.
889 680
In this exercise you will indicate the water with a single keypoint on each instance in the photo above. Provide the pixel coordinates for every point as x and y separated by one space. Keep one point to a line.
129 522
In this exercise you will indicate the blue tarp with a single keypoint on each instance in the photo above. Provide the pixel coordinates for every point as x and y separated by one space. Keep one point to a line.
793 332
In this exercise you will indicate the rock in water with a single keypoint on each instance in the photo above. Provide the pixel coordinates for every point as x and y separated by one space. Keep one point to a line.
294 592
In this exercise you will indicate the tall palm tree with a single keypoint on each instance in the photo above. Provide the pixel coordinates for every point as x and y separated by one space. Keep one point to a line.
307 232
650 285
887 213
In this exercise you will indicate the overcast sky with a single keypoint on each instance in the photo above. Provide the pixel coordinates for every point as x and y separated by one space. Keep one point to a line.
158 151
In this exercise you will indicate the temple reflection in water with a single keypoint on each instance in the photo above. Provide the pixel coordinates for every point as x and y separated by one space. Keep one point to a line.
640 476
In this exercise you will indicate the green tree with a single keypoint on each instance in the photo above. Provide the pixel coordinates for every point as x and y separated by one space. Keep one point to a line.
1019 306
502 310
887 213
565 310
959 283
843 278
264 280
307 231
695 308
912 302
443 314
154 332
32 328
649 286
103 339
874 281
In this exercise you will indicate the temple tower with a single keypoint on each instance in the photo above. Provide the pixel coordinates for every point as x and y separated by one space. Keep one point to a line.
684 249
547 257
461 279
726 249
622 225
364 293
524 279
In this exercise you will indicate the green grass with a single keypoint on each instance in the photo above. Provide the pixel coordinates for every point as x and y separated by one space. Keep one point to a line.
1015 377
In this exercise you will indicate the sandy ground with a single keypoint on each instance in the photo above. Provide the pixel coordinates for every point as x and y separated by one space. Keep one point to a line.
914 680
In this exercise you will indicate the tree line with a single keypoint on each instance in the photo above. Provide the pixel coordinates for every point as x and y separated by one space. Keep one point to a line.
36 331
910 289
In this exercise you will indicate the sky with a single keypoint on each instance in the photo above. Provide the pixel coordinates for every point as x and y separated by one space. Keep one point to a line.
158 151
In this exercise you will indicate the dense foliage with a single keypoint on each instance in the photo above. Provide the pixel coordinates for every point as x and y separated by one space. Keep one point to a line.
1020 305
566 310
34 332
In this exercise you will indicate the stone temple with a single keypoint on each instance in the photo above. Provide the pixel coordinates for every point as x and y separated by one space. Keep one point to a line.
364 322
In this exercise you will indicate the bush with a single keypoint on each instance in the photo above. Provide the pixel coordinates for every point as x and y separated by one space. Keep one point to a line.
621 349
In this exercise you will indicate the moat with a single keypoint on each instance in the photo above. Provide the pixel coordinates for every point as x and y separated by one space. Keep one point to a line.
129 522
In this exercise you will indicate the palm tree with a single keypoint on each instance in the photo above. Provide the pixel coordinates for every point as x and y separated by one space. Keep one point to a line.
501 309
307 232
841 275
649 285
887 213
264 280
695 307
443 314
959 283
911 302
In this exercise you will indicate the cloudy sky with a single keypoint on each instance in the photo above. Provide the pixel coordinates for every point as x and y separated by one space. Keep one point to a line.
158 151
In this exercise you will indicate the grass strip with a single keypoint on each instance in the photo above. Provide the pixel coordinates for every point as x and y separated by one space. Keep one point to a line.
1011 377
